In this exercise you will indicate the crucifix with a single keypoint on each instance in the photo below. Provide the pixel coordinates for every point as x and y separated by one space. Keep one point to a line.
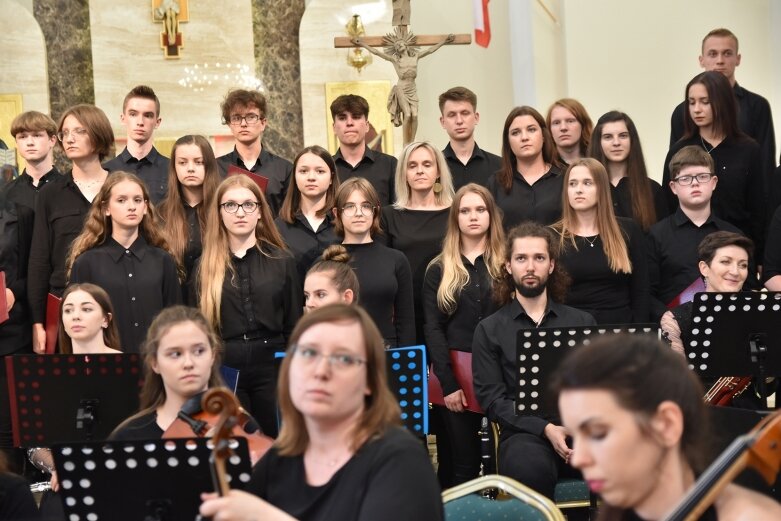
171 13
402 49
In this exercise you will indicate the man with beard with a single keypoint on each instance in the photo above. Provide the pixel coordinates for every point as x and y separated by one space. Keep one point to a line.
532 449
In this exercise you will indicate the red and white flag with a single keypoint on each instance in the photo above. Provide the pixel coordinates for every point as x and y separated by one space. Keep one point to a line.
482 23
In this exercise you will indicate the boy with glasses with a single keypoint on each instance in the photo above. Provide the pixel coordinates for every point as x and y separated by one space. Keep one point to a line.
672 242
244 111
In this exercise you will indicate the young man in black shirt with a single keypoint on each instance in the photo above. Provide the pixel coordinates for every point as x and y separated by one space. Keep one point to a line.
244 111
720 53
532 449
141 117
354 157
673 241
467 162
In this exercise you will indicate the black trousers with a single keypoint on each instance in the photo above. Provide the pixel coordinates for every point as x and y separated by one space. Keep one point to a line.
458 446
257 386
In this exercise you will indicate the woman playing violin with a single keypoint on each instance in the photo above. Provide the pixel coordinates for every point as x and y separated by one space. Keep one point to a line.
341 453
638 422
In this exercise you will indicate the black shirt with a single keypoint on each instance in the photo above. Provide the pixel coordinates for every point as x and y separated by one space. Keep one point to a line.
15 333
141 280
386 290
269 165
418 235
739 197
612 298
144 427
444 332
540 202
264 298
672 256
622 199
60 214
389 478
378 168
754 118
17 500
493 360
152 169
194 248
22 190
478 169
772 264
305 243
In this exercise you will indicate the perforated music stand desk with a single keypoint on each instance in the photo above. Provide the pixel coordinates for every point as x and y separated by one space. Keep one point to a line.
64 398
157 480
736 334
539 352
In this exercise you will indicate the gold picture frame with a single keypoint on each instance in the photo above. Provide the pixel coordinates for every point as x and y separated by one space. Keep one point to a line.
10 107
376 93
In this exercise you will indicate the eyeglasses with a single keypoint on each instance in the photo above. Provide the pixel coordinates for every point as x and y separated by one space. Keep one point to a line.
247 206
250 118
80 132
686 180
311 356
351 209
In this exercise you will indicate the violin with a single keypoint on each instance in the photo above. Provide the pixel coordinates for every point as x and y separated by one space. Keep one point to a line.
195 420
726 389
760 449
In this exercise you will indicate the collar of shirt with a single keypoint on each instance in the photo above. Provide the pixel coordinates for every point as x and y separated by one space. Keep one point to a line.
368 155
739 91
264 157
680 219
151 157
251 252
329 218
449 153
117 251
552 172
478 260
45 178
517 311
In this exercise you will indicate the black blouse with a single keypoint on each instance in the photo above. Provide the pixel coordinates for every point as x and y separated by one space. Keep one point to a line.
306 244
444 332
540 202
622 199
264 299
15 333
141 280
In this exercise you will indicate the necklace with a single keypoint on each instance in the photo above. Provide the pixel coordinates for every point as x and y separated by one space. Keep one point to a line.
705 146
85 185
592 241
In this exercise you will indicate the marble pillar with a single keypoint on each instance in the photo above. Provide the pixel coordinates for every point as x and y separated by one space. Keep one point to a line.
275 24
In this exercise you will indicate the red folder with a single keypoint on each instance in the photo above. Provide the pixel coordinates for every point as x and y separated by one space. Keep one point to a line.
3 301
52 322
687 295
260 180
461 362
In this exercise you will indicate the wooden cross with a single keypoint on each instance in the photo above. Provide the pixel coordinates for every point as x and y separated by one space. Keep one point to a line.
402 50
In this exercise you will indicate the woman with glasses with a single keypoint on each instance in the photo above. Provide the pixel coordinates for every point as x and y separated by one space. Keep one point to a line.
383 273
417 221
341 453
616 144
711 122
248 288
305 219
85 135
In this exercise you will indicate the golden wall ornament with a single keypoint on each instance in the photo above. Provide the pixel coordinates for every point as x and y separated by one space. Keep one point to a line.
171 13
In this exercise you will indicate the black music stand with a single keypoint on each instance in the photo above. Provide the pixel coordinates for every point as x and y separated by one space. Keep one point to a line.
156 480
62 398
539 352
736 334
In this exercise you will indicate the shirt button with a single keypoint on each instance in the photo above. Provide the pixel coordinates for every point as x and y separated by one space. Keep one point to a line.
129 274
135 324
127 251
133 299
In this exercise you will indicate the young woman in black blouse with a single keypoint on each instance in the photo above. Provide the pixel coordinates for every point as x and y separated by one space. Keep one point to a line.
457 295
528 187
249 290
331 280
85 135
417 221
193 178
616 144
383 273
603 254
305 219
123 251
711 122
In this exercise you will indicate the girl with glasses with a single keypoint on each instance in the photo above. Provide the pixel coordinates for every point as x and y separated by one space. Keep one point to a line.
193 177
122 250
305 219
84 134
383 273
341 453
248 288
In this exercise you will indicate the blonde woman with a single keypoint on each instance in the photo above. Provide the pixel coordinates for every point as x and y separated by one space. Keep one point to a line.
248 289
457 294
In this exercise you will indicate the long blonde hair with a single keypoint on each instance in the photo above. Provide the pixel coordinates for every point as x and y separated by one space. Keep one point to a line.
216 256
614 243
454 275
98 228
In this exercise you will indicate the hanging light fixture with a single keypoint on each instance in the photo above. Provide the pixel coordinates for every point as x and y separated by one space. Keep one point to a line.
357 57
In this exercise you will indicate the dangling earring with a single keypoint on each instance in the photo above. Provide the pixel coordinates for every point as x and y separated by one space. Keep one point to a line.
437 186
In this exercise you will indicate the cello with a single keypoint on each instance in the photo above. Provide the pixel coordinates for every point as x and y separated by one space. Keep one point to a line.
759 449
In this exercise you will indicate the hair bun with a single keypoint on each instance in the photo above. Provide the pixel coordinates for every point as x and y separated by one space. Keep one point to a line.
336 253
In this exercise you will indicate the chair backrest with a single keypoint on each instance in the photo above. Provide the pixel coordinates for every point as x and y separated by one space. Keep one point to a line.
465 502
